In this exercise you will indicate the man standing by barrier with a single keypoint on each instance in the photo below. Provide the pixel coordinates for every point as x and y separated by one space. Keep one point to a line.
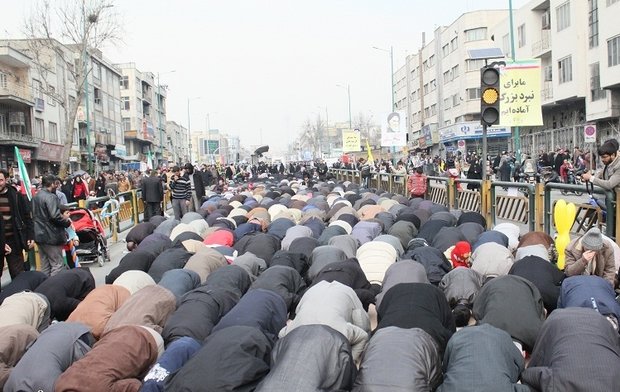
49 226
152 195
17 222
181 192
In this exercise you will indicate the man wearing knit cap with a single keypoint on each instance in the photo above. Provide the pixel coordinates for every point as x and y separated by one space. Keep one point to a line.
590 255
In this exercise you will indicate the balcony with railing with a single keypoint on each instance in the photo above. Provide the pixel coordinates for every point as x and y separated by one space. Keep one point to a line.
542 47
16 92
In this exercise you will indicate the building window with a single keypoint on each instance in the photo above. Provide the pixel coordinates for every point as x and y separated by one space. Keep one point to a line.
76 137
431 61
427 112
446 77
445 50
53 128
610 2
473 93
456 100
593 23
126 124
447 122
425 64
506 45
97 96
562 16
125 103
39 128
433 109
454 44
3 80
596 92
521 35
474 65
447 103
51 100
613 51
476 34
426 89
433 84
96 71
124 82
565 69
455 72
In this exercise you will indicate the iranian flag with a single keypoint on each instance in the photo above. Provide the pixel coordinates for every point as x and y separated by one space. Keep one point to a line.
23 174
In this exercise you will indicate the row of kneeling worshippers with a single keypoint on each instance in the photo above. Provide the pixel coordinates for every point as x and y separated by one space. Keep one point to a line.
338 290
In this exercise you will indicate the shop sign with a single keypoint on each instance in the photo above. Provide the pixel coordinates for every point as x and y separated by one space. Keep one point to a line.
50 152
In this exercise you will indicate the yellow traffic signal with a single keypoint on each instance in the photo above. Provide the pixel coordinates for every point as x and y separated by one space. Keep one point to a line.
489 94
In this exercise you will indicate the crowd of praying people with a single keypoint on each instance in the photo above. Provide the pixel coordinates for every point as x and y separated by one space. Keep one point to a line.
281 286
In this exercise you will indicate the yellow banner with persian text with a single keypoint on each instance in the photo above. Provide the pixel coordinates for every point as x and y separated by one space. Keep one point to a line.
351 141
520 92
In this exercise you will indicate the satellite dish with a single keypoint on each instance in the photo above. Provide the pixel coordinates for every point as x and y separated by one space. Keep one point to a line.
261 150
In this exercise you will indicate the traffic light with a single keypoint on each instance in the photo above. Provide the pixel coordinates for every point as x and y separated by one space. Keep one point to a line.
489 95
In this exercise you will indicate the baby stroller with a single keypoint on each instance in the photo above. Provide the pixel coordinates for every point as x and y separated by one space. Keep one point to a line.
90 232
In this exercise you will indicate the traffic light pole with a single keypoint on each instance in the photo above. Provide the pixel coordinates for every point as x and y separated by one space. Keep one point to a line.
484 151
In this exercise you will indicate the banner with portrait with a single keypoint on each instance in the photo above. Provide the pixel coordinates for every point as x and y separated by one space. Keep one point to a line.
394 130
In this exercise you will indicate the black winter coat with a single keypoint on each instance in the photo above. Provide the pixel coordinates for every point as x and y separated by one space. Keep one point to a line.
66 290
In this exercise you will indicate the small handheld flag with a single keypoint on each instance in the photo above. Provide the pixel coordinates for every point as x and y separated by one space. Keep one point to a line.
23 173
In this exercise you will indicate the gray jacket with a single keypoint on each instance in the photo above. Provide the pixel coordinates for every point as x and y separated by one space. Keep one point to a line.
413 358
311 358
609 178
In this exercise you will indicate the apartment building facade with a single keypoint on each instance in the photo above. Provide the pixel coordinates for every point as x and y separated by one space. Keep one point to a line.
439 87
578 44
177 142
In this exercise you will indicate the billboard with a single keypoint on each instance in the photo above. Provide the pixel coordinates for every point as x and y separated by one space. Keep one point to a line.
351 141
520 94
393 130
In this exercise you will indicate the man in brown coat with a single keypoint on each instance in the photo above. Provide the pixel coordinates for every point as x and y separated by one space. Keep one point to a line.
590 255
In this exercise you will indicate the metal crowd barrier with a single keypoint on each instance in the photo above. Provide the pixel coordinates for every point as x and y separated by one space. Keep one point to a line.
520 209
438 194
533 208
468 199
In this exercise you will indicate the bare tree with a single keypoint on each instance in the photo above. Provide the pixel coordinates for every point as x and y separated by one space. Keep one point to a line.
61 36
313 131
368 129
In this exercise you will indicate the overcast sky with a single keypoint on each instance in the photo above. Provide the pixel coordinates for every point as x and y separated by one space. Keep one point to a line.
261 68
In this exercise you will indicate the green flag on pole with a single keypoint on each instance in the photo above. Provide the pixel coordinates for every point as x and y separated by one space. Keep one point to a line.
23 173
149 159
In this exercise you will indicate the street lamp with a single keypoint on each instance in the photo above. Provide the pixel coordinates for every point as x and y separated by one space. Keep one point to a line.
391 52
160 102
348 88
189 127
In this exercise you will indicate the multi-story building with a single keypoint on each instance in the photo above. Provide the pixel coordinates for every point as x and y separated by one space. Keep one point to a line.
438 88
177 143
103 115
578 44
143 110
16 104
52 88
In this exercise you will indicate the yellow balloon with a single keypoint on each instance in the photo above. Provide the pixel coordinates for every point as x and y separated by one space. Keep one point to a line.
563 217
